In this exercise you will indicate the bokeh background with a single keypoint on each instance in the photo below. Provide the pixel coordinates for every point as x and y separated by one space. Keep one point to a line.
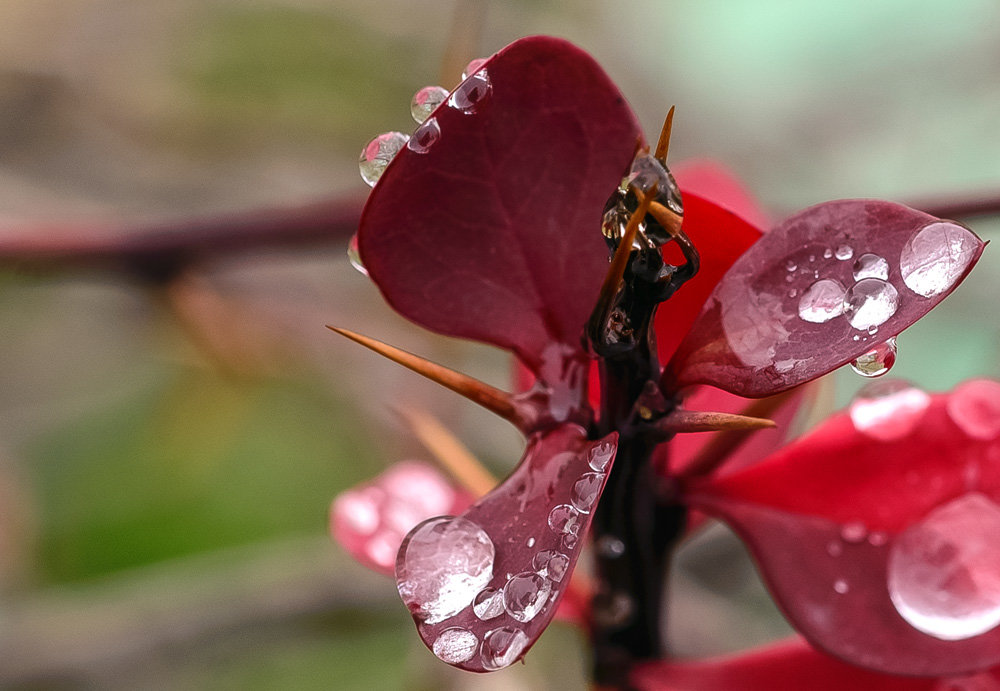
168 453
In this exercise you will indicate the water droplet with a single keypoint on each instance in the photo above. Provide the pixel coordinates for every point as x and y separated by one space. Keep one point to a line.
455 645
870 302
473 67
789 278
841 586
488 604
501 647
610 547
936 256
586 490
564 519
871 266
551 564
853 532
975 407
878 538
354 256
525 595
790 265
834 548
648 171
426 100
378 153
876 361
471 92
822 301
530 542
943 570
443 563
888 410
612 609
600 456
424 137
844 252
569 542
827 253
812 257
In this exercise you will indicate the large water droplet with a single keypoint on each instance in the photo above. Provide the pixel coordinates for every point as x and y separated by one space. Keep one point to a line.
471 92
488 604
354 256
975 407
646 172
426 100
378 153
876 361
501 647
871 266
888 410
455 645
943 576
443 563
586 490
564 519
870 302
525 595
822 301
600 456
935 258
473 67
551 564
424 137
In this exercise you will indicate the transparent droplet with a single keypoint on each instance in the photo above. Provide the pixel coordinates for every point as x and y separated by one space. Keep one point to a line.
424 137
473 67
612 609
936 256
870 302
827 253
841 586
551 564
822 301
455 645
443 563
844 252
564 519
530 542
378 153
426 101
876 361
488 603
888 410
975 407
525 595
942 572
871 266
569 542
646 172
600 456
354 256
586 490
790 265
472 92
502 647
854 532
609 547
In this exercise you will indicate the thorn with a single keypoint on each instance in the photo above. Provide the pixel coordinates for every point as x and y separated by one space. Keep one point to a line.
663 143
489 397
450 453
681 421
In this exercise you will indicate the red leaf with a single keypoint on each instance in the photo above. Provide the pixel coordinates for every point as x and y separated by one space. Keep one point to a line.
483 587
708 179
877 532
780 316
494 233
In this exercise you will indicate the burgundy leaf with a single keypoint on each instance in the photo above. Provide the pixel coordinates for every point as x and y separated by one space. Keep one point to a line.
877 532
823 288
484 585
493 232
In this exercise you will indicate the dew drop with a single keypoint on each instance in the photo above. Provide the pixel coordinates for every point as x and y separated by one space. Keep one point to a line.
870 302
888 410
853 532
455 645
488 604
530 542
501 647
942 571
551 564
442 564
936 256
600 456
790 265
525 595
834 548
564 519
569 542
871 266
975 407
426 101
471 92
647 171
844 252
354 256
612 609
378 153
424 137
822 301
610 547
876 361
841 586
473 67
827 253
586 490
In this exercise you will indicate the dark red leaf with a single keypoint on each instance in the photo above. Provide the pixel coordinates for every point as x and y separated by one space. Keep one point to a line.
778 318
482 587
493 233
877 532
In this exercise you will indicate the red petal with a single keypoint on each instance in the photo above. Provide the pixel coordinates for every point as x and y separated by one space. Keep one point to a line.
500 547
751 340
865 529
494 233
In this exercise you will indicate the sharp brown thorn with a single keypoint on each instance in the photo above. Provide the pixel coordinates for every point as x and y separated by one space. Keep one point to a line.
663 143
681 421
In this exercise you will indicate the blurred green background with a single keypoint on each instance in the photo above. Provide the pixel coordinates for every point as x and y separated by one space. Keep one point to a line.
163 502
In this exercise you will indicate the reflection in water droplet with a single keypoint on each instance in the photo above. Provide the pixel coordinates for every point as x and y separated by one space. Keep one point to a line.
600 456
488 604
426 100
424 137
569 542
354 256
501 647
844 252
935 258
870 302
586 490
473 67
822 301
876 361
443 563
378 153
471 92
841 586
525 595
942 571
853 532
888 410
455 645
871 266
975 407
564 519
551 564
